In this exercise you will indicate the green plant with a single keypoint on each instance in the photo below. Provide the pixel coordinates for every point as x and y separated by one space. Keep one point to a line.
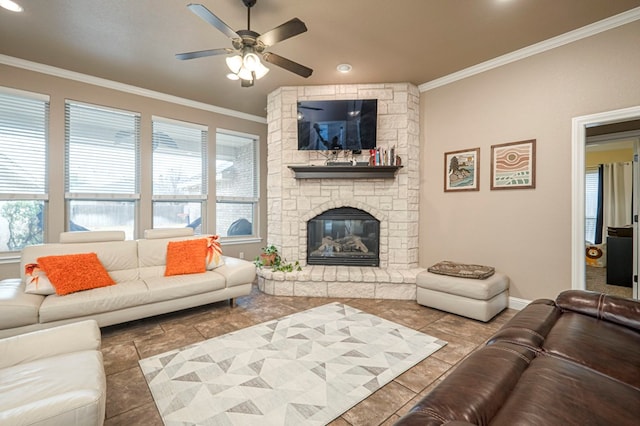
271 257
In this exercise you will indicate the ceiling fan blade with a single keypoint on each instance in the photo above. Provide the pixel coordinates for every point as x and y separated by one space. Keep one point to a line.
246 83
212 19
203 53
287 64
287 30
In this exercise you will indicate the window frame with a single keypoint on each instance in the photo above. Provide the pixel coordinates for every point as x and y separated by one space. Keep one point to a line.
255 200
43 196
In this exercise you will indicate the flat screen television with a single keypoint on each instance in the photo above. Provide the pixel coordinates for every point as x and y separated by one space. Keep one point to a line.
338 124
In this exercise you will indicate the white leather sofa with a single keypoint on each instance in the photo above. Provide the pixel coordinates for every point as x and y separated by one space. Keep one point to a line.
53 377
141 290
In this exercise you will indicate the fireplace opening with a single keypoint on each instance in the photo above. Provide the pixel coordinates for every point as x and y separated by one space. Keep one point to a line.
343 236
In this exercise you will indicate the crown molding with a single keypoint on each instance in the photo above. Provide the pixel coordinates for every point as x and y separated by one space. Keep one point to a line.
126 88
517 55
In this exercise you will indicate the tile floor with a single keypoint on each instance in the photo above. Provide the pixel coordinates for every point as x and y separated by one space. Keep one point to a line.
129 400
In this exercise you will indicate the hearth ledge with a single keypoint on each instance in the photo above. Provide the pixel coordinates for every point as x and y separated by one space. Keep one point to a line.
341 281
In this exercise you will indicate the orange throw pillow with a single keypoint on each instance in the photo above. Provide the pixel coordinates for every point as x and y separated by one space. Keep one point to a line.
186 257
75 272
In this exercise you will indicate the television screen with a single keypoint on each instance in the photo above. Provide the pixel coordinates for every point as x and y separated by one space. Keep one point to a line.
336 125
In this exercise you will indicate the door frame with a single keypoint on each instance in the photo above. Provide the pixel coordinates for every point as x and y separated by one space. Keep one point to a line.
579 127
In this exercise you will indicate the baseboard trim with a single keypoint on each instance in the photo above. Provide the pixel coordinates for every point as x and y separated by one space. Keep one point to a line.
517 303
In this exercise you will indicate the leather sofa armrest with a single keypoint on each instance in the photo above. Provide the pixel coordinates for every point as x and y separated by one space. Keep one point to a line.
68 338
236 271
615 309
476 390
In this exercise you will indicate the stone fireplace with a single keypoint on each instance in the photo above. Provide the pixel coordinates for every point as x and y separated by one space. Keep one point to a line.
343 236
391 201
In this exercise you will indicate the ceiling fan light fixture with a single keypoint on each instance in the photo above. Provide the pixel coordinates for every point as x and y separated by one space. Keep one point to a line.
251 61
232 76
234 63
260 70
11 5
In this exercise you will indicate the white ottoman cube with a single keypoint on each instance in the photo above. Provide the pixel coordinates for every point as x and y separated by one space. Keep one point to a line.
472 298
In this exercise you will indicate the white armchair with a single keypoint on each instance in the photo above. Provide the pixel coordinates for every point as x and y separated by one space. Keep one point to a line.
53 377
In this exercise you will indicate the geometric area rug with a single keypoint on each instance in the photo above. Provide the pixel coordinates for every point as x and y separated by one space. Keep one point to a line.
302 369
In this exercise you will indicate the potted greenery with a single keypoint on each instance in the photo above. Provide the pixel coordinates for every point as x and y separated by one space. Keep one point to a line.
271 258
268 256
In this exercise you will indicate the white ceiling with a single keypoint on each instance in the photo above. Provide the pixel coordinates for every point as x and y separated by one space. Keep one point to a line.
416 41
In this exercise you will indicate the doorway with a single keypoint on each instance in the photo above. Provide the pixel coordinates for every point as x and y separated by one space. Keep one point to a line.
609 187
580 128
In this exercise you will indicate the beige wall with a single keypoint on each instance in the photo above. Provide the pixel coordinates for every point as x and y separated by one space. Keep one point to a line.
595 158
524 233
60 89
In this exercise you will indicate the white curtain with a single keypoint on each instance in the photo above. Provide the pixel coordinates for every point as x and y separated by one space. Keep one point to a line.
617 195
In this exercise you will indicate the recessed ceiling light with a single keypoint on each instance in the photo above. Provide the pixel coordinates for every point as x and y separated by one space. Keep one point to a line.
344 68
11 5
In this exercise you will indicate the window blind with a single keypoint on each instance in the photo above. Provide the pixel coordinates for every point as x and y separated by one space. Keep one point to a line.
179 160
102 152
23 138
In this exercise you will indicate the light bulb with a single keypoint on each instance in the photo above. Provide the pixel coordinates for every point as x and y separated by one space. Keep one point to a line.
251 61
261 71
11 5
234 63
245 74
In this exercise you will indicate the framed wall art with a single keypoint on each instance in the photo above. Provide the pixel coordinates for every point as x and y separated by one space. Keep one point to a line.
462 170
513 165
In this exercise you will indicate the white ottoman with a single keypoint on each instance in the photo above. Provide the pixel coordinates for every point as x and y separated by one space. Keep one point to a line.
472 298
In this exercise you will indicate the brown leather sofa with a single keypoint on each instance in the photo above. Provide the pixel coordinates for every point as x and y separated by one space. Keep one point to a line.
572 361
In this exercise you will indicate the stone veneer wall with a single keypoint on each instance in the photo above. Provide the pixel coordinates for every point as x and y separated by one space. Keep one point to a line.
291 202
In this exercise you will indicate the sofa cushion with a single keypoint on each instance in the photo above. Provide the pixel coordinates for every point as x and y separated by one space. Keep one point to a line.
173 287
75 272
162 233
51 391
91 236
214 252
553 391
236 271
119 258
152 255
601 346
37 281
186 257
17 308
99 300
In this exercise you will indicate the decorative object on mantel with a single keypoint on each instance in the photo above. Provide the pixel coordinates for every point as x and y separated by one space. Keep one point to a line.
462 170
513 165
383 157
344 172
270 257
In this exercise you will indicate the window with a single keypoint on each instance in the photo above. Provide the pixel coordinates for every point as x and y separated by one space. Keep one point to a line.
237 186
591 203
102 173
179 174
23 168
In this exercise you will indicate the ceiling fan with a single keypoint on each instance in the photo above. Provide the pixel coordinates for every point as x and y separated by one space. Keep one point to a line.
249 46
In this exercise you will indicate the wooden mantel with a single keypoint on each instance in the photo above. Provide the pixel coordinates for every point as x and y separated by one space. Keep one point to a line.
344 172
